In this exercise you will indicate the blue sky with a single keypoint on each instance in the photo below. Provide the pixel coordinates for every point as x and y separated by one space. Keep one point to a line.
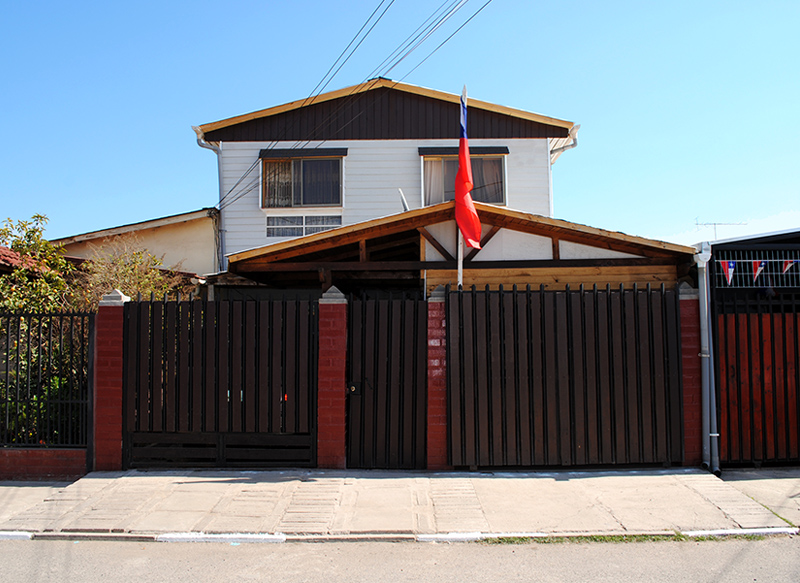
688 110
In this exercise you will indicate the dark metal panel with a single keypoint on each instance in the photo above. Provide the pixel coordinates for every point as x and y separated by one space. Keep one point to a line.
223 366
382 114
170 364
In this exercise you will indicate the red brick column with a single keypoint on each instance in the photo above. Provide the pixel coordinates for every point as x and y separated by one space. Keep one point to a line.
437 382
107 435
331 382
692 379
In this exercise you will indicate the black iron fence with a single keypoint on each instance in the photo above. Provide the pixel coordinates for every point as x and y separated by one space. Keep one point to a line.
45 372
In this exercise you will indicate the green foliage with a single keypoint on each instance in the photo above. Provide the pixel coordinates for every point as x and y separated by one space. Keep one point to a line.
38 284
122 263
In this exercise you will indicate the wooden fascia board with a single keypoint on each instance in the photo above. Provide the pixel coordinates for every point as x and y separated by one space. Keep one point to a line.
135 227
565 230
380 83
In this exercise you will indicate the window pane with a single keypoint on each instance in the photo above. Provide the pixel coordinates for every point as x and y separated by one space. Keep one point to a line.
277 184
284 221
450 171
487 174
324 220
321 182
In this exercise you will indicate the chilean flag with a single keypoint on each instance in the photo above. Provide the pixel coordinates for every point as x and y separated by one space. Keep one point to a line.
466 215
787 264
758 267
727 268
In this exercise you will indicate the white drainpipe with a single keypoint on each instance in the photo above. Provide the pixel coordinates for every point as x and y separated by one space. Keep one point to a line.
221 260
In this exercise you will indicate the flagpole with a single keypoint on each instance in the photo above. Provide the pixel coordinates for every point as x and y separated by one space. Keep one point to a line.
460 258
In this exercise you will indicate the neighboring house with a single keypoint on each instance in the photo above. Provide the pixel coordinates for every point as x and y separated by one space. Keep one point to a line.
9 260
754 285
338 159
188 240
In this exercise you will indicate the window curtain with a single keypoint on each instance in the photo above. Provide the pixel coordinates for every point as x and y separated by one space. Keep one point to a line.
321 184
434 183
491 181
277 191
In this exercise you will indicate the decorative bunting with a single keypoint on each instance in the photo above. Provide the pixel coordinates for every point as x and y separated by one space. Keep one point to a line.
758 267
787 265
727 269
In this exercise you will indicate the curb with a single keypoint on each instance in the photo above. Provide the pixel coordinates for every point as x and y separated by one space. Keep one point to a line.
450 537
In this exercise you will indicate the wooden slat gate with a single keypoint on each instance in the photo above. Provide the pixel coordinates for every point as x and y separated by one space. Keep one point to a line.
564 378
226 383
387 376
757 342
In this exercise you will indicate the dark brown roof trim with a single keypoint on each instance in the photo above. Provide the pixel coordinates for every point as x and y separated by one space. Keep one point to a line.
477 150
303 153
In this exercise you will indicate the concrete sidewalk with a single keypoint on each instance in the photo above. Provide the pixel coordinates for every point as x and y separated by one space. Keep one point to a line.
317 504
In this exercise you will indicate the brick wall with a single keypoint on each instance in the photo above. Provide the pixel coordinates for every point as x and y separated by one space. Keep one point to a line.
692 387
331 389
42 464
437 385
108 389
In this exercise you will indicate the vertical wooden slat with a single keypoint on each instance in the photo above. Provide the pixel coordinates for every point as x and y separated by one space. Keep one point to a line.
674 374
766 387
131 359
196 403
223 381
305 366
565 428
549 325
420 434
632 386
478 389
408 382
170 363
369 400
792 346
249 359
510 392
156 366
209 366
264 366
394 430
577 343
539 434
495 380
648 427
291 350
381 381
593 429
145 357
355 410
661 404
780 403
184 368
276 358
521 344
618 378
455 367
237 366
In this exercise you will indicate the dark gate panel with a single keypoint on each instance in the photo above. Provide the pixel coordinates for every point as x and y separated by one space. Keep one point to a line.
387 368
226 383
758 373
562 378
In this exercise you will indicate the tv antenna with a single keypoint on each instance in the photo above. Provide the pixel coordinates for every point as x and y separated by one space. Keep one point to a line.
698 224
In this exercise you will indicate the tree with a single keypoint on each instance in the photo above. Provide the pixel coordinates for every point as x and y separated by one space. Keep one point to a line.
123 263
38 283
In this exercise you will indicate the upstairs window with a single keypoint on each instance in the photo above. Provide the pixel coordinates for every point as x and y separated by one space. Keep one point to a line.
440 167
304 178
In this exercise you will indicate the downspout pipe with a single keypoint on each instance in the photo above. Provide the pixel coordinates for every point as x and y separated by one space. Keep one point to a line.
708 398
221 262
573 133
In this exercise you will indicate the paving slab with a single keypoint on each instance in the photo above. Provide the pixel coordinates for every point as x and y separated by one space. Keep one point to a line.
778 489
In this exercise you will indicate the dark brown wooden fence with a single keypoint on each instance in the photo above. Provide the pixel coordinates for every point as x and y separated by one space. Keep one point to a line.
226 383
387 376
563 378
758 374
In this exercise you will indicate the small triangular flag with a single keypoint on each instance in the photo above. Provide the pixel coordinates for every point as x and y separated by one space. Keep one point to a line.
727 268
758 267
787 264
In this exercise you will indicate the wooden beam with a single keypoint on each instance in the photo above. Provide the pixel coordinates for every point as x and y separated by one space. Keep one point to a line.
436 245
556 248
362 250
492 232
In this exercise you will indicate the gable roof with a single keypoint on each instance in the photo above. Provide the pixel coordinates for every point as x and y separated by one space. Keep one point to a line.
382 109
333 244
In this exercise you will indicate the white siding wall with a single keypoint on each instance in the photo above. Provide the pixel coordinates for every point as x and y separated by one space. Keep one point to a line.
373 171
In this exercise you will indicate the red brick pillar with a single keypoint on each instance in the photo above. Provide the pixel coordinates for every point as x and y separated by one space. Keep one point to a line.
107 404
437 381
331 382
692 379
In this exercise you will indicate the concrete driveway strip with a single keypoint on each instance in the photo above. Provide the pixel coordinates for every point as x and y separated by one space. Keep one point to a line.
776 488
